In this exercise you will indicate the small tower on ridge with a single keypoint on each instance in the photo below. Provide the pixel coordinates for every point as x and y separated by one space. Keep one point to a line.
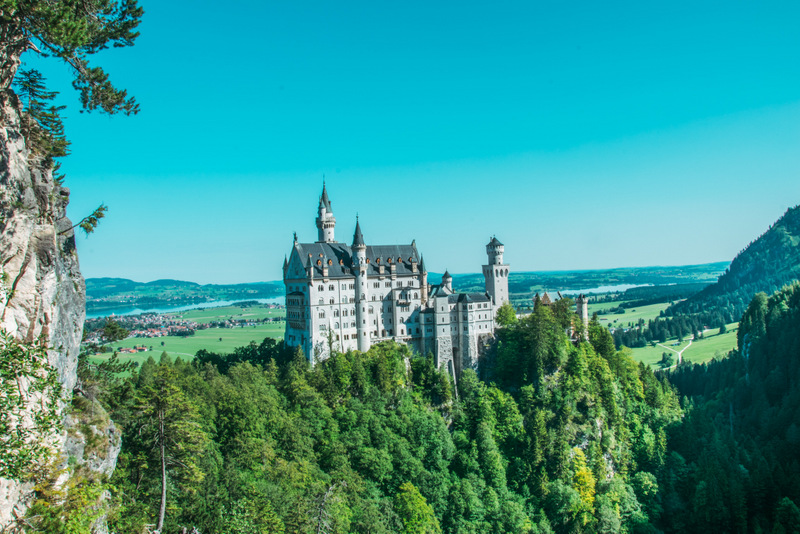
326 222
496 273
582 309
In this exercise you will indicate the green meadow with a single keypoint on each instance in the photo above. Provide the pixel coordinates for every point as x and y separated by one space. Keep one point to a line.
209 315
220 340
712 345
631 315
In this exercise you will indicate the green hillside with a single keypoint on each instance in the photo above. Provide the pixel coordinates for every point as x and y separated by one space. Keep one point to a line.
767 264
111 293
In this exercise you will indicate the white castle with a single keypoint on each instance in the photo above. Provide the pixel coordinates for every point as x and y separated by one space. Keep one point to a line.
343 297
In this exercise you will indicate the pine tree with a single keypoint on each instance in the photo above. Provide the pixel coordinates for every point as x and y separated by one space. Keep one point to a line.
169 425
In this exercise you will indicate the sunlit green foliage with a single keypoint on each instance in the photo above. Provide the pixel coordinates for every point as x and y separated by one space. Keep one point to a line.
381 442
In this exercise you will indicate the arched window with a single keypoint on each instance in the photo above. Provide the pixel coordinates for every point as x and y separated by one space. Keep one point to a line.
330 287
336 325
336 313
321 288
331 301
416 295
371 311
322 301
344 313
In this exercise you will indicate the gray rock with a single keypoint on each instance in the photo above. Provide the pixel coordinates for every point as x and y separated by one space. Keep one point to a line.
44 292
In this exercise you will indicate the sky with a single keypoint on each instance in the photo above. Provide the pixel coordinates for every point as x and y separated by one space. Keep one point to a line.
584 135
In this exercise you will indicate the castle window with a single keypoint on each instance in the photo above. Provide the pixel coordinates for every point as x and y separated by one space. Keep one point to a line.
352 286
399 283
371 310
416 295
341 261
319 262
402 332
344 313
322 328
322 315
322 301
387 284
352 299
376 284
331 301
336 313
373 298
377 260
331 287
330 262
353 324
383 333
344 300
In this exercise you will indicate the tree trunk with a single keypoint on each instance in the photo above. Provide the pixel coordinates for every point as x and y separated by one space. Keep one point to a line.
163 507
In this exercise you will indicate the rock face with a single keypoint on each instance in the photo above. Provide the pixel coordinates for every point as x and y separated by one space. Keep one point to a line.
43 292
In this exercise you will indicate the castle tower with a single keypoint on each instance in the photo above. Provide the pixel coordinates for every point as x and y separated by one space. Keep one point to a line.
496 273
363 323
582 309
326 222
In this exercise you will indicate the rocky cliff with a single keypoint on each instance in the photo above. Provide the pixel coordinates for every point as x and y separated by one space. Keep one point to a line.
43 293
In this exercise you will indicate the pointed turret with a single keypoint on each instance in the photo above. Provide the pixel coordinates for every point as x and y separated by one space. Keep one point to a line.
324 201
362 288
358 237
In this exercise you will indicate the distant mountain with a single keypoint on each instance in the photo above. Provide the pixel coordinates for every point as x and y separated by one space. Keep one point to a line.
109 293
766 264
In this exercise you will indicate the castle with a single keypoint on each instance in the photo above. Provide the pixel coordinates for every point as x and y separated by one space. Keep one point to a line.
343 297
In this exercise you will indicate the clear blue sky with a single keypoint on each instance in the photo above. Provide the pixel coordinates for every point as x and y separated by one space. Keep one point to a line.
583 134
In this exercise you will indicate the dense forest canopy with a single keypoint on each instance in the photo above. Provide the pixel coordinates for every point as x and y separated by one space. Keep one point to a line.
383 442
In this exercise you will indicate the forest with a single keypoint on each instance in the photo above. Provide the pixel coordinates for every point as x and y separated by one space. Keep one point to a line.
557 437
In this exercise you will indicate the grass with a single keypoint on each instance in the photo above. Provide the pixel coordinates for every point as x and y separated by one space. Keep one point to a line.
209 315
209 338
631 315
712 345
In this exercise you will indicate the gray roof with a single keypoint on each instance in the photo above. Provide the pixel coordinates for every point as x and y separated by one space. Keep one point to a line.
341 257
495 242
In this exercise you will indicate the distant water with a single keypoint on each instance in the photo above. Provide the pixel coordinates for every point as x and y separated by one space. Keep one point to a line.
602 289
129 310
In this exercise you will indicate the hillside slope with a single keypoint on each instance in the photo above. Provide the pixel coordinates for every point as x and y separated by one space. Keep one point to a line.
767 264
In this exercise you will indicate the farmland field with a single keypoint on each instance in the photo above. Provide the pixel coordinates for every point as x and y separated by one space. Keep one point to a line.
220 340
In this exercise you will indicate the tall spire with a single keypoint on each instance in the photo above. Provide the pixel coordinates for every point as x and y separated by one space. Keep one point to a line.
324 201
358 237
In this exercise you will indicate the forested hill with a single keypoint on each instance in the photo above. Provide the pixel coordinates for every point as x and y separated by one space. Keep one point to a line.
767 264
735 460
